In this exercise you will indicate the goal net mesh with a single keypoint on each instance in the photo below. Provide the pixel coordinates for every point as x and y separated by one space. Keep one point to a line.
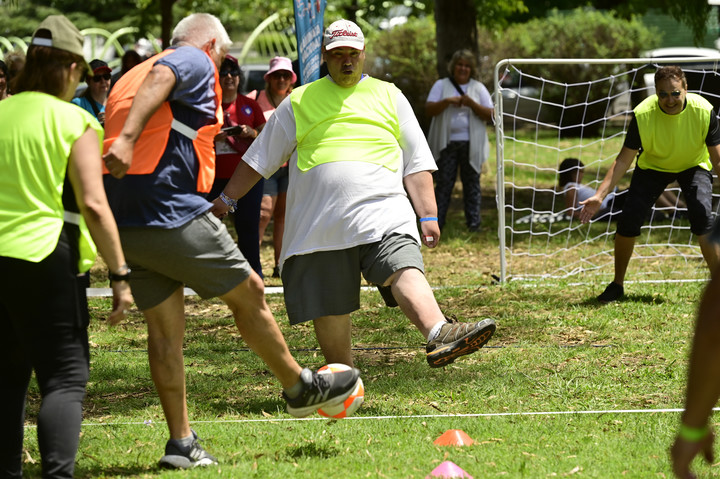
541 119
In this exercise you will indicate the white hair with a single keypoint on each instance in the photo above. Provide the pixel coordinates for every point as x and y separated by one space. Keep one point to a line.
199 28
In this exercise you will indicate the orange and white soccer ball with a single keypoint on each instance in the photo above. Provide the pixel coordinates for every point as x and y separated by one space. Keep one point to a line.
351 404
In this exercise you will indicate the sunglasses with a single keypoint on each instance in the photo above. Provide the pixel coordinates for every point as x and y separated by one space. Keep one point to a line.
104 76
674 93
229 72
281 75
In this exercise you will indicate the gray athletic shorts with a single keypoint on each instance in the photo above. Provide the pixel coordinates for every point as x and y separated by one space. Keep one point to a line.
200 255
327 283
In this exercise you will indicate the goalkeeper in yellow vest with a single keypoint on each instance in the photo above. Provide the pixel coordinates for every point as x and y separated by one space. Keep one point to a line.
360 184
675 137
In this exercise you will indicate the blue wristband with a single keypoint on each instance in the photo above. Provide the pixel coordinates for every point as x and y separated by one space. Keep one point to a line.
428 218
231 203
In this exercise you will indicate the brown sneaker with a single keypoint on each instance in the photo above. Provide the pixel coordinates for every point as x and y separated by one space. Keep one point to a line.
458 339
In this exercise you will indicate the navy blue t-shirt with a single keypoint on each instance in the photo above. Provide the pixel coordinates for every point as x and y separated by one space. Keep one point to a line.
168 197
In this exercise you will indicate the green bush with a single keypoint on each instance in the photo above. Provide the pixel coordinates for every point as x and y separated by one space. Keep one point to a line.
405 56
580 33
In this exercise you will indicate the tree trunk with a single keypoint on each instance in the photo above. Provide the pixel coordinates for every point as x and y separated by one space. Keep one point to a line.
166 22
456 28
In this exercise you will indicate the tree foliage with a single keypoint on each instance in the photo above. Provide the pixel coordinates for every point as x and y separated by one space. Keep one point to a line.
580 33
692 13
405 55
241 16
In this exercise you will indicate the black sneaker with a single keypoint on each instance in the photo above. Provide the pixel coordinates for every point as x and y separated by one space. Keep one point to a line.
458 339
613 292
321 390
179 457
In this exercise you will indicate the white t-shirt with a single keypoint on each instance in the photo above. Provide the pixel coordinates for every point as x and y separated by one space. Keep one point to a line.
341 204
460 119
583 192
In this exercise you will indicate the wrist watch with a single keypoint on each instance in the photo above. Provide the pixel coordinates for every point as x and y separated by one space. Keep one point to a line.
120 276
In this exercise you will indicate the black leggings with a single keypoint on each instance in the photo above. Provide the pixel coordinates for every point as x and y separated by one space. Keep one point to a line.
43 319
246 220
457 156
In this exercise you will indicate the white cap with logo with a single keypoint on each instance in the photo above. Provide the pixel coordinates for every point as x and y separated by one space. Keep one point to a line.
344 33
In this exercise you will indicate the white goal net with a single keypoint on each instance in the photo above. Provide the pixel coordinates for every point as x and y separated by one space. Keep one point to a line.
550 110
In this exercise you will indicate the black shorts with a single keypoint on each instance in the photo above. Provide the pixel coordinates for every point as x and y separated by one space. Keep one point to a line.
646 187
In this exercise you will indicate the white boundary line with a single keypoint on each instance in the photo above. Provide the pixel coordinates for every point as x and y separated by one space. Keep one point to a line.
107 292
421 416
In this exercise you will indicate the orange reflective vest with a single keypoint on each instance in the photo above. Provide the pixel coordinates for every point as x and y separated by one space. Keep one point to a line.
153 140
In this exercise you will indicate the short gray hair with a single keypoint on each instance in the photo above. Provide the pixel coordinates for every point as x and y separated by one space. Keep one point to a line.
199 28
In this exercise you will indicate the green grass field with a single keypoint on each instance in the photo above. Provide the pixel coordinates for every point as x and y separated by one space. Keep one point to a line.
555 352
565 388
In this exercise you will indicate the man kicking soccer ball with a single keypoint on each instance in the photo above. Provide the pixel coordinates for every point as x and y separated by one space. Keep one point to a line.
354 148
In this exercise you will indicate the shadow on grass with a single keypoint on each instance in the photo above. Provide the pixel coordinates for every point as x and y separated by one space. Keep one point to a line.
312 450
628 298
81 472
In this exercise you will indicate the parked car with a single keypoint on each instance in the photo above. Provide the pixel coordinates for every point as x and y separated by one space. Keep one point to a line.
253 74
682 52
698 80
520 102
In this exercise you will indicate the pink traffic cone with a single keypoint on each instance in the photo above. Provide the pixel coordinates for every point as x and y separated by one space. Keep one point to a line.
448 470
454 437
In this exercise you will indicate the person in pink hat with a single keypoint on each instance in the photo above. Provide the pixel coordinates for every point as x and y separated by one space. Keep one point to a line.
279 81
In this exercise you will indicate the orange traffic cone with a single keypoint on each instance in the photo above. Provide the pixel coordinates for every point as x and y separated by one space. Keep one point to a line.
454 437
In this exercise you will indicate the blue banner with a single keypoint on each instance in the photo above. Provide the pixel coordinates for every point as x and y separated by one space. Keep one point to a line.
309 30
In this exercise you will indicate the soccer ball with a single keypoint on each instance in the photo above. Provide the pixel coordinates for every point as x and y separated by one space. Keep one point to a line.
351 404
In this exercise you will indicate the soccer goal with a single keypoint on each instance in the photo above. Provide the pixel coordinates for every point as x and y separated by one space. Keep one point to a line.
547 110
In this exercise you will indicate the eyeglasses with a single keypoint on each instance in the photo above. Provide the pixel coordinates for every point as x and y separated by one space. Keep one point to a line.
229 72
674 93
281 75
104 76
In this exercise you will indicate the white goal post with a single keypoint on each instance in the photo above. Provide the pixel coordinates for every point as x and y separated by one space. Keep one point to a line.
547 110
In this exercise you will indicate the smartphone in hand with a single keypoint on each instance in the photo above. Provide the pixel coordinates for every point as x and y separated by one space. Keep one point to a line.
233 130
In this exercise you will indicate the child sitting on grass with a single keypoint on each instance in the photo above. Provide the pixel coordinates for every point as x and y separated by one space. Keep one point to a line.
570 184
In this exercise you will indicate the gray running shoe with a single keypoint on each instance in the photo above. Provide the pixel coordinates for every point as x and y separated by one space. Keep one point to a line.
458 339
321 390
179 457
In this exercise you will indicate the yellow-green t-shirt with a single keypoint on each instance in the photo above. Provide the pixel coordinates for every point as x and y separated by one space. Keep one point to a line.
37 133
674 143
332 120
